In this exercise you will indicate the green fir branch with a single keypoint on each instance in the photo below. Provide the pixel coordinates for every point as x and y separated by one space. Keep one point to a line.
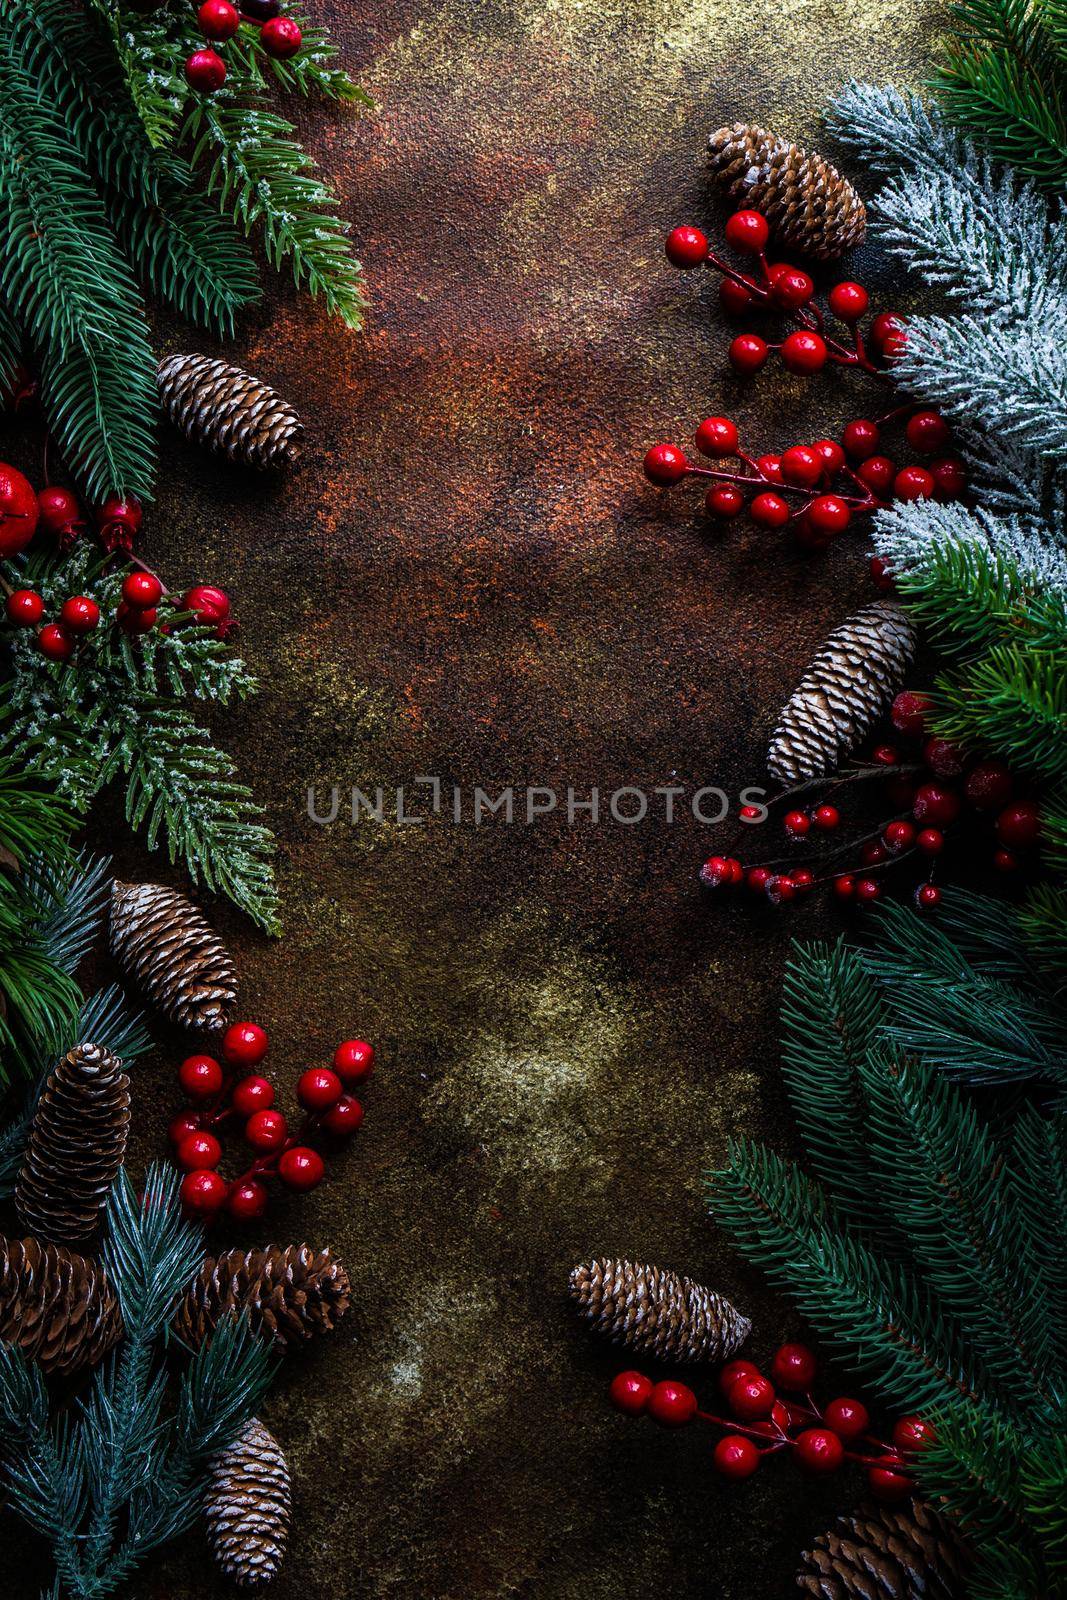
1012 700
314 70
151 55
190 257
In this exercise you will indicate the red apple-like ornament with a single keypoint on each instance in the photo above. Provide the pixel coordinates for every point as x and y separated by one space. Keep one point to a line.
18 511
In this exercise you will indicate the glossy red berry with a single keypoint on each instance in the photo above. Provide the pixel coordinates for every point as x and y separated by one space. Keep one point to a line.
748 352
757 879
849 1419
247 1200
826 817
181 1126
804 352
780 889
142 590
353 1061
752 814
801 466
769 510
1019 825
686 247
55 642
245 1044
874 853
200 1077
861 438
878 473
1004 861
736 1457
928 433
24 607
831 455
747 231
136 619
57 509
717 872
950 478
266 1130
886 332
770 468
724 500
218 19
927 897
209 604
119 517
281 38
751 1396
913 1433
936 805
801 879
199 1151
717 436
885 755
203 1193
828 513
988 786
819 1450
881 576
672 1404
898 836
729 1374
868 890
792 288
794 1367
845 886
345 1118
734 298
252 1094
318 1089
205 71
630 1393
301 1168
913 483
665 465
849 301
796 823
909 712
931 841
19 511
889 1486
943 757
80 614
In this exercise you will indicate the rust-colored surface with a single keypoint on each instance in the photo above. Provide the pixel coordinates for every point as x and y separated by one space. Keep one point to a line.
466 578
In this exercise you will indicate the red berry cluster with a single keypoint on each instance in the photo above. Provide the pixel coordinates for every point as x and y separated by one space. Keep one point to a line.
219 21
931 785
228 1096
761 1423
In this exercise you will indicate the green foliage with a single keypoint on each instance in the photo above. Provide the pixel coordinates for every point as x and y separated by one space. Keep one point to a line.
315 69
1014 701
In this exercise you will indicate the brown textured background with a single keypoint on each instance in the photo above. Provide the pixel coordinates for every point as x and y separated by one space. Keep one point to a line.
465 577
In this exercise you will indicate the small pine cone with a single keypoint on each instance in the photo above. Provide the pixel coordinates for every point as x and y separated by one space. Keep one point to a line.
56 1307
850 682
178 960
806 201
76 1146
289 1295
229 411
657 1312
246 1507
880 1553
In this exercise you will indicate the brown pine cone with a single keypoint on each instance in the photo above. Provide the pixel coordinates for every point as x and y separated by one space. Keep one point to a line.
289 1295
881 1553
56 1307
851 680
658 1312
76 1146
229 411
247 1505
164 943
807 202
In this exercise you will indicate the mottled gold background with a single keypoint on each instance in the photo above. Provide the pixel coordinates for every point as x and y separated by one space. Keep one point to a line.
465 577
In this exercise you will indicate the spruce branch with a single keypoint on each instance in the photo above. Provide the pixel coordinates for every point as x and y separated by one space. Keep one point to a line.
1013 700
190 257
314 70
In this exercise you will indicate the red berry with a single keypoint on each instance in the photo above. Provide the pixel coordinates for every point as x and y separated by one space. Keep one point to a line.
988 786
748 352
826 817
913 483
665 465
717 872
758 878
672 1404
780 889
931 841
717 436
950 478
247 1200
205 71
55 642
300 1168
281 38
943 757
797 823
935 804
801 466
734 298
353 1060
873 853
80 614
770 468
199 1151
209 604
792 288
752 814
878 473
24 608
928 433
737 871
200 1077
819 1450
845 886
1004 861
861 438
244 1045
828 513
252 1094
885 755
913 1433
728 1376
119 518
686 247
887 1485
898 836
794 1367
831 454
849 301
751 1396
804 352
203 1193
886 331
769 510
927 897
181 1126
747 231
58 511
266 1130
318 1089
724 500
344 1118
909 711
18 511
881 576
736 1457
868 889
801 879
218 19
142 590
849 1419
1019 825
630 1392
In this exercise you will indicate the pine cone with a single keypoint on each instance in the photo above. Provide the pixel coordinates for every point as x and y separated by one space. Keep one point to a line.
229 411
56 1307
879 1553
76 1146
850 682
162 940
807 202
289 1295
657 1312
246 1506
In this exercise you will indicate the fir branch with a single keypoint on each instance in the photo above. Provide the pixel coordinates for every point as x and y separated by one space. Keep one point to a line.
970 596
315 69
910 538
1043 924
190 256
1013 700
151 57
12 349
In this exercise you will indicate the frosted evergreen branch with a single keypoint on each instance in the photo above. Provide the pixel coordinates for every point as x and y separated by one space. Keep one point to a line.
908 536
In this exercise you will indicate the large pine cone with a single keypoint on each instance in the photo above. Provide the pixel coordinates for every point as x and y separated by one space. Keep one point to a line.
883 1554
247 1505
657 1312
174 955
807 202
76 1146
852 679
229 411
56 1307
289 1295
